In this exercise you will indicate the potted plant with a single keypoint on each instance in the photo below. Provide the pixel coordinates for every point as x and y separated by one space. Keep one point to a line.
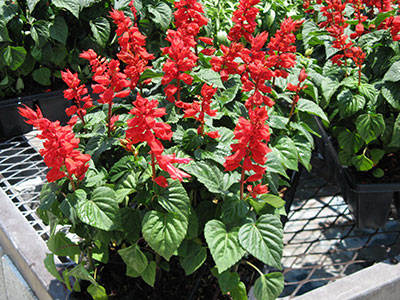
131 213
356 48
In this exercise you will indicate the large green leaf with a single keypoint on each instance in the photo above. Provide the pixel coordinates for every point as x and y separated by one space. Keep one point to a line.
101 210
210 77
391 92
42 76
4 37
164 232
174 199
233 209
227 95
239 292
40 32
224 245
263 239
59 30
312 108
269 286
285 149
32 4
349 104
395 141
149 274
162 14
274 164
362 162
393 74
228 281
191 256
134 258
13 57
350 141
72 6
101 30
304 149
97 292
370 126
51 266
61 245
211 176
79 272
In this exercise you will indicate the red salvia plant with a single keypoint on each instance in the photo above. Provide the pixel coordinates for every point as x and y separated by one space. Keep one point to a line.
60 148
143 127
77 92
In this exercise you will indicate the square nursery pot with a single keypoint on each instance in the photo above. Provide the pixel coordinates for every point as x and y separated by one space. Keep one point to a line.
52 104
370 204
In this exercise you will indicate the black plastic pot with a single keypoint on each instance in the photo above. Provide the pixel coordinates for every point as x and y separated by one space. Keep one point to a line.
52 104
370 204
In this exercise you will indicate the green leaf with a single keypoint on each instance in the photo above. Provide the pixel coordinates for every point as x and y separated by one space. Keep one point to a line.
13 57
277 122
134 258
391 92
79 272
349 104
370 126
40 32
312 108
376 155
263 239
32 4
174 199
269 286
233 209
42 76
210 77
101 30
286 151
211 176
274 164
101 211
329 88
162 14
149 274
48 195
4 37
304 149
131 223
59 30
224 245
395 140
150 73
273 200
97 292
362 163
369 92
378 173
231 89
228 281
393 74
51 266
164 232
61 245
239 292
350 141
191 256
72 6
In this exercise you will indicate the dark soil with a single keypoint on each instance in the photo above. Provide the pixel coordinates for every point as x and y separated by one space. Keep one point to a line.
172 285
390 164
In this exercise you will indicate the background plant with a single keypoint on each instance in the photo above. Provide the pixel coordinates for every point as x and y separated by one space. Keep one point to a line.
355 79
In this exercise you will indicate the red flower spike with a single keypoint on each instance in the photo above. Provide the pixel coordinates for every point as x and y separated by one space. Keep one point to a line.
161 181
59 150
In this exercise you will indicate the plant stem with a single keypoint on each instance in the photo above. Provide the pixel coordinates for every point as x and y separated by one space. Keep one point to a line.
153 166
90 259
109 119
242 184
255 268
178 86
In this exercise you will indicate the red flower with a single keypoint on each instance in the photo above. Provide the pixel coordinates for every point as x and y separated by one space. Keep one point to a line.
76 91
59 150
244 19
